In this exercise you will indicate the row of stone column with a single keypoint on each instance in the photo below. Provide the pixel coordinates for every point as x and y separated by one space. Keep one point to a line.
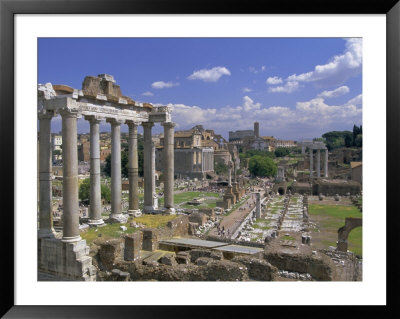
318 169
70 172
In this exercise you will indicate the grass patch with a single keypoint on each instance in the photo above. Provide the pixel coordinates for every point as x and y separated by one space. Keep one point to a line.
188 196
335 211
261 224
154 221
334 218
108 232
113 230
287 237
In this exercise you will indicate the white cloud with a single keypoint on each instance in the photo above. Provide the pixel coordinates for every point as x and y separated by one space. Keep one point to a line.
246 90
254 70
356 100
306 120
289 87
209 75
338 70
274 80
162 84
335 93
148 93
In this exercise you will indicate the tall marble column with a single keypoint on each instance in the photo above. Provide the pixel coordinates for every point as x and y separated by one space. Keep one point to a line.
258 205
147 167
230 173
198 160
318 163
326 163
70 176
45 168
95 182
133 170
153 175
311 161
169 166
116 183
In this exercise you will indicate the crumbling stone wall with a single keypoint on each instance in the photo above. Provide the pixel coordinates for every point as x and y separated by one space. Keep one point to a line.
333 187
258 269
178 227
221 270
302 188
320 267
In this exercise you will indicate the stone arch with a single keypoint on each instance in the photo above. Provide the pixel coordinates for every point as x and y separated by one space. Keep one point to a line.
343 232
281 191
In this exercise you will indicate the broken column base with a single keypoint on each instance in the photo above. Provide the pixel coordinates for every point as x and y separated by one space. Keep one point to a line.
118 218
65 261
170 211
149 209
95 222
135 212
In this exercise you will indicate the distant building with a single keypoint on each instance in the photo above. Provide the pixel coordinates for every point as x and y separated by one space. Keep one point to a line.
56 143
285 144
84 152
237 137
193 152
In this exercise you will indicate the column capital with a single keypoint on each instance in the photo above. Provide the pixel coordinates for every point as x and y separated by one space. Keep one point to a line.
68 112
132 123
168 124
45 114
148 124
95 119
114 121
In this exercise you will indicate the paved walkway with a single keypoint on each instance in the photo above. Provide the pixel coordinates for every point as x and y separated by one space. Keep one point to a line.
235 218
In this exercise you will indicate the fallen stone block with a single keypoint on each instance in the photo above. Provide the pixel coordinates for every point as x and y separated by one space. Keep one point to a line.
168 260
203 261
109 251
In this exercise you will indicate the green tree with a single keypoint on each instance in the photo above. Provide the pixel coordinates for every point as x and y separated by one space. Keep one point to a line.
105 192
251 153
358 141
262 166
337 139
220 168
356 131
84 191
125 160
281 152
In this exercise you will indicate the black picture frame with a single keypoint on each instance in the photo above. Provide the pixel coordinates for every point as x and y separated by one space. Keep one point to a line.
8 10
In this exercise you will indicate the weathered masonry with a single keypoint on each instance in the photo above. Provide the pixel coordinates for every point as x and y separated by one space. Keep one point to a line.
99 100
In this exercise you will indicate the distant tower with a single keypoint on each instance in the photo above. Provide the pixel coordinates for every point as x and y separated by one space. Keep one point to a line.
256 129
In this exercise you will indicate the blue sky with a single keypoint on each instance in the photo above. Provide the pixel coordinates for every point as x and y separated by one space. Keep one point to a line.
296 88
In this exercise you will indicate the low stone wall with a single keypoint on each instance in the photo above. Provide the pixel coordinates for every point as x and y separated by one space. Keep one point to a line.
214 270
302 188
178 227
320 267
333 187
258 269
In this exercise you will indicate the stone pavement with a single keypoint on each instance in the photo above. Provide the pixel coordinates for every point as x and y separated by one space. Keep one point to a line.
235 218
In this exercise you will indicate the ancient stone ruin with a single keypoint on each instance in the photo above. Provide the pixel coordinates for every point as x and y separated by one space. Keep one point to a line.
100 99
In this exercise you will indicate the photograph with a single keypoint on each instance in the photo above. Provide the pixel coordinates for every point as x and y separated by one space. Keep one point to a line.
200 159
170 160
